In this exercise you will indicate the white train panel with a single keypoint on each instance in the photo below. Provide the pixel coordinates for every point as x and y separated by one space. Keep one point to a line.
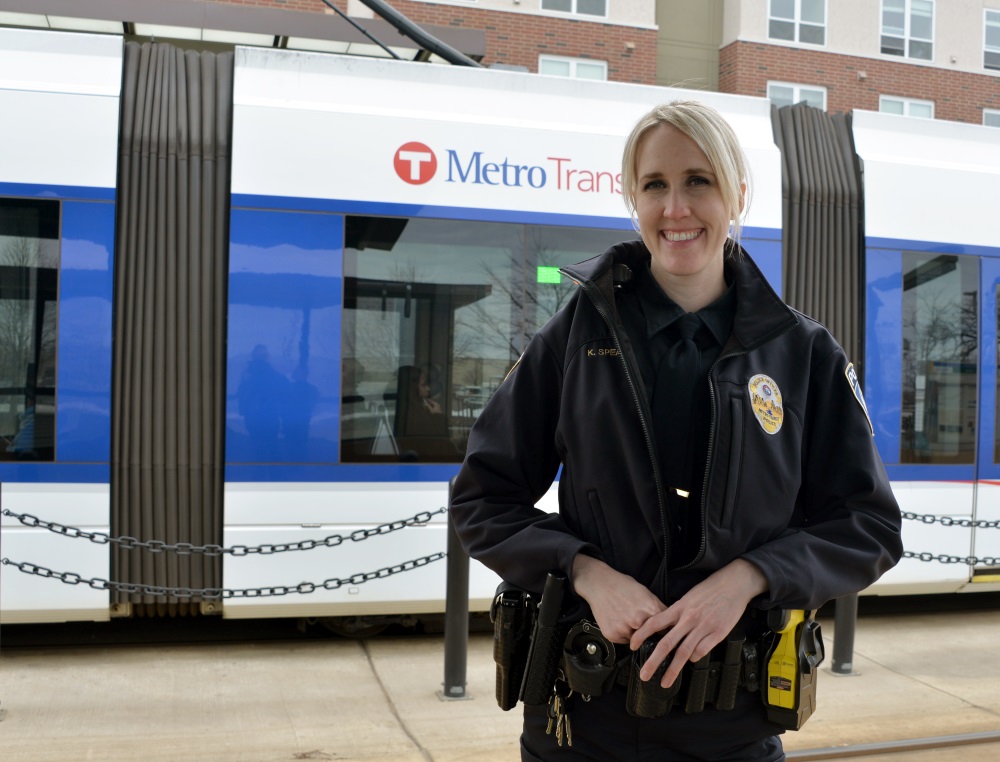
317 126
29 598
915 169
59 97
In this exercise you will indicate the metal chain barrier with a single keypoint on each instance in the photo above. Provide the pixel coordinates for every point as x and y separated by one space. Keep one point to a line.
186 548
946 559
215 593
947 521
950 522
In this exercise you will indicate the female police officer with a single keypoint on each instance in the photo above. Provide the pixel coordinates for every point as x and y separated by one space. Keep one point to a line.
715 447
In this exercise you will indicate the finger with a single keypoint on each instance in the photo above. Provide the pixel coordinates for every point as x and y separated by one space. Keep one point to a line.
659 655
685 654
654 624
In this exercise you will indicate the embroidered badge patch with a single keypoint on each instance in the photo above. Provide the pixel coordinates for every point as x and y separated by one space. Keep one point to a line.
765 399
852 379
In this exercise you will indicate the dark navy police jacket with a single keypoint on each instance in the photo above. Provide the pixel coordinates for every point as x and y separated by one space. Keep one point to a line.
793 482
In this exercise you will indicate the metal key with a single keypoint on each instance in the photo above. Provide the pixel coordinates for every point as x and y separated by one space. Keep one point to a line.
559 719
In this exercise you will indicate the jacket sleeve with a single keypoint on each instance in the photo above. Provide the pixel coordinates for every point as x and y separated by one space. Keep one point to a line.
846 533
511 461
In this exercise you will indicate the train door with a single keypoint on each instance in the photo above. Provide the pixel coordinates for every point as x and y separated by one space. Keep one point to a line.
986 539
922 385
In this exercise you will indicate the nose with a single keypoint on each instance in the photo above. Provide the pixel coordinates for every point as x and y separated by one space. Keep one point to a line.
675 206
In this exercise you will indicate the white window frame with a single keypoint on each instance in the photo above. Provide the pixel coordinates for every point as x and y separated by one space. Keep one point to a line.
797 90
572 65
573 10
991 112
797 21
907 35
907 102
987 49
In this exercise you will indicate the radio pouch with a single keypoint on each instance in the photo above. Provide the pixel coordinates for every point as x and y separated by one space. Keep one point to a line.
646 698
512 615
789 689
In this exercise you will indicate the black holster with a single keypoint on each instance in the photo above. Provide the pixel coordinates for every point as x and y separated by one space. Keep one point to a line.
647 698
512 615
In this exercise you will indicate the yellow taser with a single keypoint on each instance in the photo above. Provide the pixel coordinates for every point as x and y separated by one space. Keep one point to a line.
790 686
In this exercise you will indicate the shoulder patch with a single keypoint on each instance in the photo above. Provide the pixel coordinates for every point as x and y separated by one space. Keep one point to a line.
765 399
852 379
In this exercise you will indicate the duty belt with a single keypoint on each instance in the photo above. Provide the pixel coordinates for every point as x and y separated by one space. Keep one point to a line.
591 666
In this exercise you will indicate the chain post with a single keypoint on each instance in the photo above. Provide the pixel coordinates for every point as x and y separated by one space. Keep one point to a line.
845 622
456 614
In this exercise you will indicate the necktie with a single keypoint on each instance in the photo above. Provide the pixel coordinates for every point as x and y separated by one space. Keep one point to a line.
676 382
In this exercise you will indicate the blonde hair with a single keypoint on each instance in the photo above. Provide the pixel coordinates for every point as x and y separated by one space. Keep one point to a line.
717 140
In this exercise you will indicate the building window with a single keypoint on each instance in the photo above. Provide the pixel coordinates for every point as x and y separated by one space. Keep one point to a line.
890 104
798 21
581 68
787 93
580 7
991 53
908 28
991 117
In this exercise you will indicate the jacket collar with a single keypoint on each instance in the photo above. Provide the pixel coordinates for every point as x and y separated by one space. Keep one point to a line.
760 313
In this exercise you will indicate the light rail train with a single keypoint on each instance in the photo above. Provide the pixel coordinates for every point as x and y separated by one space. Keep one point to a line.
257 300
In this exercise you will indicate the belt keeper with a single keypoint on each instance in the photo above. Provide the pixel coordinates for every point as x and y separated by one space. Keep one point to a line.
729 679
698 685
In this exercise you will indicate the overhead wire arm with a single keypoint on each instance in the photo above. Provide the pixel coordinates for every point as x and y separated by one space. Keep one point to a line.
418 35
361 29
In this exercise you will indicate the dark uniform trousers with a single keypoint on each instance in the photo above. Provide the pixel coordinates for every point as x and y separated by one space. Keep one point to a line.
603 731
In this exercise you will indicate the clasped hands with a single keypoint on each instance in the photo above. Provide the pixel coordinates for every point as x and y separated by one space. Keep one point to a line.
627 612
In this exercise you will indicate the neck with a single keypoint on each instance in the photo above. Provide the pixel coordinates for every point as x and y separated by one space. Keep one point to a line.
693 292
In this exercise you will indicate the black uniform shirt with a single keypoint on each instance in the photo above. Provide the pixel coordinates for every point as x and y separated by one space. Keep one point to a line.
651 321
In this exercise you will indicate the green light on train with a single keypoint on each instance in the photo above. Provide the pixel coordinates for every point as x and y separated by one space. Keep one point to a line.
549 275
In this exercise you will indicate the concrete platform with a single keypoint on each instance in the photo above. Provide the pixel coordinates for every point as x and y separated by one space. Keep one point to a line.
334 699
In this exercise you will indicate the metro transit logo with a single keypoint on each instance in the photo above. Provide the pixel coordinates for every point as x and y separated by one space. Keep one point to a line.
415 163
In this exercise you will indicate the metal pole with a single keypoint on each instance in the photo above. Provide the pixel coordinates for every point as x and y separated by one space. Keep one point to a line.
456 614
845 619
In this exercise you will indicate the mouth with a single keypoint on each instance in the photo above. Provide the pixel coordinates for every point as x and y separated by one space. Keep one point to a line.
680 236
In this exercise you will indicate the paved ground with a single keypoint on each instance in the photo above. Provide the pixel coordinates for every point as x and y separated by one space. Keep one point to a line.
334 699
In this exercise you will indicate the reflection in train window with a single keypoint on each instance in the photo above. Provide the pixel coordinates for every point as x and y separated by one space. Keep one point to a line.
940 361
436 312
996 401
29 276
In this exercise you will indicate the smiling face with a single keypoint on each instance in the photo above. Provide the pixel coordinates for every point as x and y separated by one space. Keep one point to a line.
683 218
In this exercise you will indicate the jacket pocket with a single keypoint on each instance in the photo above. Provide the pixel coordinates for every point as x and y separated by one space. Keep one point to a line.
599 526
735 462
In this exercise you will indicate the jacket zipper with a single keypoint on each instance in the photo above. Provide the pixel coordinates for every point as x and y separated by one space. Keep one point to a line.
710 459
600 304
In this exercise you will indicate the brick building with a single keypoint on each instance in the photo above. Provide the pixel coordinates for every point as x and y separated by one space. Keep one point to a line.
930 58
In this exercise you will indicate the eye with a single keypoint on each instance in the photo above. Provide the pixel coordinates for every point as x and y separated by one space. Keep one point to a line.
654 185
698 180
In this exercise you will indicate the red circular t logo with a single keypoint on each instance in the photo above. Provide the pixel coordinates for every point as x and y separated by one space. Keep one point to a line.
415 163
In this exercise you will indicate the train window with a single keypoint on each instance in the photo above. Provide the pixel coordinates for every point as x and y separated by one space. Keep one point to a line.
940 358
435 314
29 269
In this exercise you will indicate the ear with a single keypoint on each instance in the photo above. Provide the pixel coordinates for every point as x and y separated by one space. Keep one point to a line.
743 196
